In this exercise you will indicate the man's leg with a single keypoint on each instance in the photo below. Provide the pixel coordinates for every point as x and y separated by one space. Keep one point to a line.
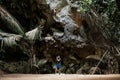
59 71
56 70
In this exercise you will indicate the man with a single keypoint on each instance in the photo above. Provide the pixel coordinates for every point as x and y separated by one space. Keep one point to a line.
58 65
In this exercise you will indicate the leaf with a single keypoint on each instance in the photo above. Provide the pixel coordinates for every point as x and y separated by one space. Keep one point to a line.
42 62
4 34
34 34
31 34
94 57
10 21
8 39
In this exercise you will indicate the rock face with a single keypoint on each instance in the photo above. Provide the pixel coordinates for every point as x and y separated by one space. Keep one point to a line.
64 33
71 21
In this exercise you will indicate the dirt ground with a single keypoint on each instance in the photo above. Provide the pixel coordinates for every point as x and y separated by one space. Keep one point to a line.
58 77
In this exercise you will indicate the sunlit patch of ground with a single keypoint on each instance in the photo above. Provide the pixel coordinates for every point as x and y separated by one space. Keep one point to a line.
59 77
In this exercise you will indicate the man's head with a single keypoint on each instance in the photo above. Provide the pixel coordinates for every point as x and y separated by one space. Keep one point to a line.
58 58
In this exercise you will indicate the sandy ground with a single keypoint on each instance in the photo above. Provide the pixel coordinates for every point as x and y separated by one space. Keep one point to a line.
58 77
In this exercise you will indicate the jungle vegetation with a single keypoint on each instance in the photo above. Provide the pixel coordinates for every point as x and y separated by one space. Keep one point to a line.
85 33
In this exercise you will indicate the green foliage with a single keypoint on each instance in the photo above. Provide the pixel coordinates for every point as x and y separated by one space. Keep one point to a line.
107 9
10 21
8 39
27 12
84 5
34 34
